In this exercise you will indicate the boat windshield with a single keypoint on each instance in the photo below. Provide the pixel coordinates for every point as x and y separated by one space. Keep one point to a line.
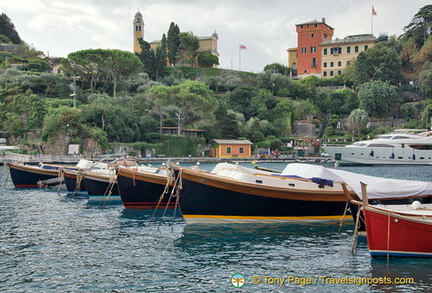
381 145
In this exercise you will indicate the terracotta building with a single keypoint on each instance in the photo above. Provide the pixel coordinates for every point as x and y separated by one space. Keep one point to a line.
318 54
309 37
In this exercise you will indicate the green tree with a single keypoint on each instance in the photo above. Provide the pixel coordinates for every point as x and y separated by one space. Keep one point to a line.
378 63
173 42
189 44
277 68
62 121
408 54
159 95
122 64
283 113
87 65
92 64
377 97
420 27
239 100
426 79
206 59
38 65
7 28
193 98
425 53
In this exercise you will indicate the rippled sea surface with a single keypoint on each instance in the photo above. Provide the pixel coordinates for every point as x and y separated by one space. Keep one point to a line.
52 243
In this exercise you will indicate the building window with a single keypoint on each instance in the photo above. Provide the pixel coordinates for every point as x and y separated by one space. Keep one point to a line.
304 50
325 73
366 47
241 150
325 64
314 62
332 64
312 35
356 49
301 26
348 62
331 73
339 63
336 50
315 25
228 150
313 49
348 50
339 72
325 51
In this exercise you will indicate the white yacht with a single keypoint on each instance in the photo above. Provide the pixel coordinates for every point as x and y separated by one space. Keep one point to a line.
402 147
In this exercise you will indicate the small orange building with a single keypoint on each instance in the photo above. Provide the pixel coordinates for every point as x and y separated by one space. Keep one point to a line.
231 148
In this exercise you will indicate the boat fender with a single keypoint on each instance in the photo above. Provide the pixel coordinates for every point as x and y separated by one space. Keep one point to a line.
416 205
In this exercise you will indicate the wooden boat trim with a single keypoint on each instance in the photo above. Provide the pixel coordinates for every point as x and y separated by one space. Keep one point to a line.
135 174
418 218
225 218
225 183
33 169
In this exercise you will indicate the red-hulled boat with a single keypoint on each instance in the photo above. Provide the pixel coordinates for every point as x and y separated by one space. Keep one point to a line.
397 230
398 233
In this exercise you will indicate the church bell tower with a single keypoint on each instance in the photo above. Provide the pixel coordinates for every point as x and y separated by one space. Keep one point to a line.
138 31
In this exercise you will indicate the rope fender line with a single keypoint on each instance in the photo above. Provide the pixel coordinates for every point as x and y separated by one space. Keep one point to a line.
6 170
357 226
165 191
342 220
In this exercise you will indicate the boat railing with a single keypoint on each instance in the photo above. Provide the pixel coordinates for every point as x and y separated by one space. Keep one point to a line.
341 145
22 158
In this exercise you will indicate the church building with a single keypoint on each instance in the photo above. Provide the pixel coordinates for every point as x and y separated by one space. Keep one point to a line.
206 43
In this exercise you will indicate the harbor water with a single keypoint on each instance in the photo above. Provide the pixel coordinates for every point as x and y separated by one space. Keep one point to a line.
52 243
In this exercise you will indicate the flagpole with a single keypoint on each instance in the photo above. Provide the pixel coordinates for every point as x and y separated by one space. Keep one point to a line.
239 57
372 22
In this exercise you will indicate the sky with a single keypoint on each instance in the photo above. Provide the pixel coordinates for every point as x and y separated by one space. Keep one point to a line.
266 28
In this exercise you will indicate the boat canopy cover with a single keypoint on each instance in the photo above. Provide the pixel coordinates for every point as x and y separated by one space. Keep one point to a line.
378 187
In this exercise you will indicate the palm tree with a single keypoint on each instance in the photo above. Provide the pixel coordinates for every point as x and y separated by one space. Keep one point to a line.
358 119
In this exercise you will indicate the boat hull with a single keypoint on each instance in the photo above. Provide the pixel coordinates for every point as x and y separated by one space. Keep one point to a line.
394 235
100 185
71 181
379 156
209 198
25 176
142 190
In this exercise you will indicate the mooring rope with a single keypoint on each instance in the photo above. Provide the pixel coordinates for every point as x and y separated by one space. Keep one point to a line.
61 178
357 226
342 220
388 238
111 184
165 191
6 170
